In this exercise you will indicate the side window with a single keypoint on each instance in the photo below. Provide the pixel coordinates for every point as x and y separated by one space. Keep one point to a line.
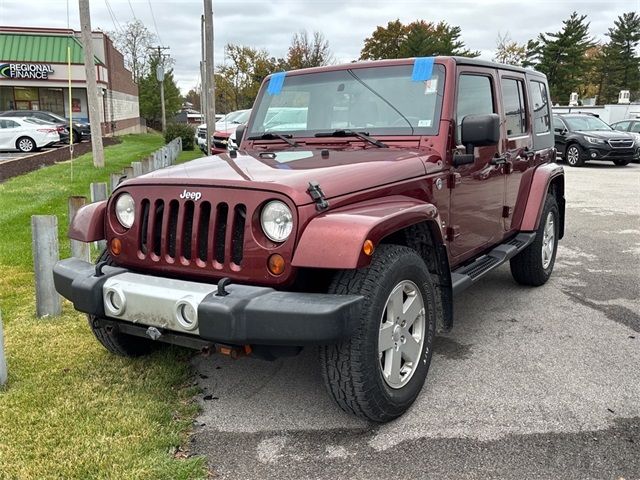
475 97
540 102
514 106
8 124
635 127
622 126
557 124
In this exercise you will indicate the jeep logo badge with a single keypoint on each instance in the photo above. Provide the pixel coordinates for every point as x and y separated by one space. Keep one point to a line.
195 196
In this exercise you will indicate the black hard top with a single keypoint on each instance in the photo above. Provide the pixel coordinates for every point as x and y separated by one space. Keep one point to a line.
502 66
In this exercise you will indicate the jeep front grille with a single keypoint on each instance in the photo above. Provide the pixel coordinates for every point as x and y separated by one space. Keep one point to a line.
620 143
192 232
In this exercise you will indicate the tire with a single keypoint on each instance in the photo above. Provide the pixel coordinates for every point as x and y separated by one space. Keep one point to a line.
353 370
114 341
77 138
26 144
529 267
573 155
622 162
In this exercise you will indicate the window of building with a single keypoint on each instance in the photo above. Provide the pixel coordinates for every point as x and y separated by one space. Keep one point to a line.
6 98
539 100
514 106
26 93
52 100
475 97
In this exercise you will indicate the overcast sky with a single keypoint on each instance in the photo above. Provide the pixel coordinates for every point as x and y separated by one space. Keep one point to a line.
269 24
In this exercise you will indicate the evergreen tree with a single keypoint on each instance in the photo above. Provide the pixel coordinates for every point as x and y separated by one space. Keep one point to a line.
562 57
149 95
417 39
620 62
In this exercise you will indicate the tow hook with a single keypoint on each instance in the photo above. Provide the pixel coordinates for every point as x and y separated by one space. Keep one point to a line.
153 333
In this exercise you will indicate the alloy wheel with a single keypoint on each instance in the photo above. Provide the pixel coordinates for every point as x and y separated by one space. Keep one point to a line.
548 240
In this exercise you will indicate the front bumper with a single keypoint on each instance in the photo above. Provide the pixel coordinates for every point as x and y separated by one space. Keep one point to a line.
604 152
246 315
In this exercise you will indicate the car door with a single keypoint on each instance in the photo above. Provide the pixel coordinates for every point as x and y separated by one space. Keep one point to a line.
477 189
9 133
517 134
560 131
5 135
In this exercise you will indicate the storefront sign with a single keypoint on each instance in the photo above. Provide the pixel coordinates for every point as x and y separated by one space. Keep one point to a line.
27 71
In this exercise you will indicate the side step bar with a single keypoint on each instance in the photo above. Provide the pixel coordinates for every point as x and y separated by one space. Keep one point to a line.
464 277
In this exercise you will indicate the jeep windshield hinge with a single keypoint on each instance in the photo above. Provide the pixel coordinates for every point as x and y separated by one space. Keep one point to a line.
317 195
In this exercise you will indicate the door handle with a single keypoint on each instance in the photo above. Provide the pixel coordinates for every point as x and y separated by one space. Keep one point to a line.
498 161
529 154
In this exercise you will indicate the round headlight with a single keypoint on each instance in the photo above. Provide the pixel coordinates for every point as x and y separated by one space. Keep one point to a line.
277 221
125 210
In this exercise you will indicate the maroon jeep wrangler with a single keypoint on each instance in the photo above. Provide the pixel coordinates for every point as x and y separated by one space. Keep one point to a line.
362 198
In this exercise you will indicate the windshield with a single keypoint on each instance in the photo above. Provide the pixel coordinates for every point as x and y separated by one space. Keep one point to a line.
376 100
586 123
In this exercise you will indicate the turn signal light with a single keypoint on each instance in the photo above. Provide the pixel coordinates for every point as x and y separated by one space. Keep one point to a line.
116 246
276 264
367 248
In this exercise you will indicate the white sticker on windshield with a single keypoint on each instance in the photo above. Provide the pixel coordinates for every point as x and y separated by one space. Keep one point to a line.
431 86
424 123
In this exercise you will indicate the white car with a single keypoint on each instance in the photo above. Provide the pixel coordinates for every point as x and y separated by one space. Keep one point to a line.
27 134
226 124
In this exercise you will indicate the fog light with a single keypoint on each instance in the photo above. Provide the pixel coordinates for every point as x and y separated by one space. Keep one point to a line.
594 154
116 246
187 313
114 301
276 264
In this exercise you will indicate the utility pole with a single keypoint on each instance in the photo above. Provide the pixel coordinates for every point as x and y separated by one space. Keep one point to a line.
209 73
92 87
203 79
160 77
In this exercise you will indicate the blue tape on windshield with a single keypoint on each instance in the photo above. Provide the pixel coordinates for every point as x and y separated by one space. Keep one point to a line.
422 68
275 83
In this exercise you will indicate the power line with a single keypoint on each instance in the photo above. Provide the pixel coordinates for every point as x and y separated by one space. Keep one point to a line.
116 23
155 25
132 12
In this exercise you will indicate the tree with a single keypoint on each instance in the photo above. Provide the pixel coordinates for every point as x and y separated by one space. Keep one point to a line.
417 39
134 41
509 51
384 42
149 94
562 57
238 80
620 63
306 52
193 97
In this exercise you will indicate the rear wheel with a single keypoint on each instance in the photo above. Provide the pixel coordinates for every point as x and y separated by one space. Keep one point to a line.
622 162
533 266
25 144
115 341
573 155
77 138
378 373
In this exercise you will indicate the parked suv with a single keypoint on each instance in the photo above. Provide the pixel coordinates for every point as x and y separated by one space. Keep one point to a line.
633 127
581 136
81 130
405 182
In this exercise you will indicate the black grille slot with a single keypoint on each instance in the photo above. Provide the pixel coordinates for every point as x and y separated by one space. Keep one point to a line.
237 240
157 226
203 230
144 226
187 231
220 232
173 227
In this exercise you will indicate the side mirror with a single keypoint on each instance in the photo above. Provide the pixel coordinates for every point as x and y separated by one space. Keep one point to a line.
560 131
480 131
240 133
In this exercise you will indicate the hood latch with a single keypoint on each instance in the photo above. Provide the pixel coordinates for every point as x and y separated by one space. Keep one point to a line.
317 195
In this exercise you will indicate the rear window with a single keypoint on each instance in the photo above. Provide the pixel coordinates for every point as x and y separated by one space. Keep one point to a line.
514 106
540 102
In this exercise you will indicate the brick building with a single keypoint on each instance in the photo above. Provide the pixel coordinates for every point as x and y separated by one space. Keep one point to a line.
34 75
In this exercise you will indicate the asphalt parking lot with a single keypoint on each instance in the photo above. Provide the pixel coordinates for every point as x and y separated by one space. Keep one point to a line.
530 383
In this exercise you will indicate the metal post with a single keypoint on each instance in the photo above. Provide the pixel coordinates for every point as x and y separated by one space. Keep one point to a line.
92 87
209 72
3 360
44 233
79 249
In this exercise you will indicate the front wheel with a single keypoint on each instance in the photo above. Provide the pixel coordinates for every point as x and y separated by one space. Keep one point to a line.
622 162
573 155
378 373
533 266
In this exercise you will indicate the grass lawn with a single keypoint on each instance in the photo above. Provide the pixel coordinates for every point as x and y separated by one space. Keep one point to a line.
71 409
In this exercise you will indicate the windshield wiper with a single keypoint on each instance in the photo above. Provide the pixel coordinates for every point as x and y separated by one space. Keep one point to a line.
352 133
276 136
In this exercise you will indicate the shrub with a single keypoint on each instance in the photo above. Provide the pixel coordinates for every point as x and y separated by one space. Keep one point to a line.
186 132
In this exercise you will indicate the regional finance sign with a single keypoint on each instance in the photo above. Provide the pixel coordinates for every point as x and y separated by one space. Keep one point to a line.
35 71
